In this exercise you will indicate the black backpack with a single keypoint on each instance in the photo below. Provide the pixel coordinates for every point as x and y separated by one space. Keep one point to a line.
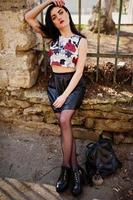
101 159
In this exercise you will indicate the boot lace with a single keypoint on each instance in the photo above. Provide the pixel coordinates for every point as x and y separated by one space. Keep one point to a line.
76 176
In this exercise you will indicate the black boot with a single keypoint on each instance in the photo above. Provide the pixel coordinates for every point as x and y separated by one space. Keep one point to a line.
63 180
77 181
83 175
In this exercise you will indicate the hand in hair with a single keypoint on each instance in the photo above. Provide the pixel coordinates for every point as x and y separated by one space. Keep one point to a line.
59 3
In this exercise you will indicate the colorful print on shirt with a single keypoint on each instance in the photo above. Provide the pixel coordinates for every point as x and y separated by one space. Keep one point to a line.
64 52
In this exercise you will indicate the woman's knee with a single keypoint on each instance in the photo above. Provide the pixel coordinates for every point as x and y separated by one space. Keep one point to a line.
64 121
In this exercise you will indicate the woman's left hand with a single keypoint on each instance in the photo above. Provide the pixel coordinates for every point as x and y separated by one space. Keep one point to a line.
59 3
59 101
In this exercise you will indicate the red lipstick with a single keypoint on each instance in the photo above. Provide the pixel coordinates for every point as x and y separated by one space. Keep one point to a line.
61 21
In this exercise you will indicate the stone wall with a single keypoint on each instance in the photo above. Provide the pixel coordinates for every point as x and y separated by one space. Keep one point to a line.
29 108
25 104
18 61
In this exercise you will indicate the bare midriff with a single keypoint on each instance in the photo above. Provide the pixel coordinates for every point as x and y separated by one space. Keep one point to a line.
61 69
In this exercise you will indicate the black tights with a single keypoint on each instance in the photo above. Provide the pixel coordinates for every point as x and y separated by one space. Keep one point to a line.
67 140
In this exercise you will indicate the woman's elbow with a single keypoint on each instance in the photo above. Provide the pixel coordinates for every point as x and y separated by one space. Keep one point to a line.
27 17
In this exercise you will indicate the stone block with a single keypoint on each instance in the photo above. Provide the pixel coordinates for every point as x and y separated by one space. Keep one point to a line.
126 108
31 111
128 140
15 4
89 123
8 113
92 113
49 117
36 118
22 71
15 33
23 78
78 120
104 107
36 96
21 62
38 127
118 138
115 125
17 103
2 42
3 79
83 133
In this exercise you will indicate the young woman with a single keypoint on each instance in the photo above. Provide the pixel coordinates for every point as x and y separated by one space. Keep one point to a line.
66 87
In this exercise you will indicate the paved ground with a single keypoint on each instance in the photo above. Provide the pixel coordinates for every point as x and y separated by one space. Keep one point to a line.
30 164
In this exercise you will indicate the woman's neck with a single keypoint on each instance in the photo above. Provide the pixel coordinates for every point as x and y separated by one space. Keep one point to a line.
66 32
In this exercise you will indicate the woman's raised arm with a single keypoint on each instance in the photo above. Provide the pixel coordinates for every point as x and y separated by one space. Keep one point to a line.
31 15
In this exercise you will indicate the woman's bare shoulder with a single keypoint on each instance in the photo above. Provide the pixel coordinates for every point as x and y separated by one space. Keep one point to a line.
83 42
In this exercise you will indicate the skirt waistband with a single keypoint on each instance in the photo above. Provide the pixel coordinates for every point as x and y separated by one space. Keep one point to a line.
63 73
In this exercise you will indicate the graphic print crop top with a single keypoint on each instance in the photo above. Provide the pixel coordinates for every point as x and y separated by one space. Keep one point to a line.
64 52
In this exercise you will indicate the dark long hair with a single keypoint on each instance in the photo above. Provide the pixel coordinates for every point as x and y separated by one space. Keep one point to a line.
49 28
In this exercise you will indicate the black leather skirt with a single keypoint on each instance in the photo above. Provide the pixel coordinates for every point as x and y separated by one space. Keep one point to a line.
56 86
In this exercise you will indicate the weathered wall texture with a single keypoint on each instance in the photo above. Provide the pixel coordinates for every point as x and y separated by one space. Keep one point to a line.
18 61
29 108
24 104
15 4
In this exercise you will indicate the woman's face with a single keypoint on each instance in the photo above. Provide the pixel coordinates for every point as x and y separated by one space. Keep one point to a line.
59 17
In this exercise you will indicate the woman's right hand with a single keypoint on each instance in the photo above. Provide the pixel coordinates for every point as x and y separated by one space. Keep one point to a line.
59 3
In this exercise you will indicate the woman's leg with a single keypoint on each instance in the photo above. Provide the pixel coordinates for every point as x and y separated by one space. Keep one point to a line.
66 136
64 119
74 162
73 159
69 156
